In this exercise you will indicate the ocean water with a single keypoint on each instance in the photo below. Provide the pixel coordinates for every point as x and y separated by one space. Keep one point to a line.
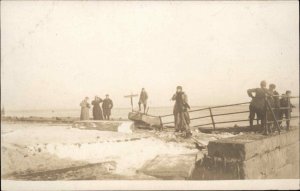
122 113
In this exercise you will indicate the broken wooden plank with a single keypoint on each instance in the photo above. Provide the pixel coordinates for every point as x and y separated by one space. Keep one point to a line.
144 118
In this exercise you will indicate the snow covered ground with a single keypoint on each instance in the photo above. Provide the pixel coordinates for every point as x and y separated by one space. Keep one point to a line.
42 147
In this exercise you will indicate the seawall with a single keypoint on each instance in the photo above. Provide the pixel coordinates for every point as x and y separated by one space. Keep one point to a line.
251 156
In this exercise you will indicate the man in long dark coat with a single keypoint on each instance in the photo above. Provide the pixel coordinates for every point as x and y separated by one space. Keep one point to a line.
107 105
258 105
180 111
97 111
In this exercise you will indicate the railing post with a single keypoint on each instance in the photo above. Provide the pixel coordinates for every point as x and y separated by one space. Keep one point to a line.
274 117
289 113
212 118
265 124
161 124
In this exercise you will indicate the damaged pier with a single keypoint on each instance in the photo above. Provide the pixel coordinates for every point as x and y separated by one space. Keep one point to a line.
251 156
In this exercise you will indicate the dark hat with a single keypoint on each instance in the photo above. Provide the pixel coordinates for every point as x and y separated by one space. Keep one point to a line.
288 92
106 95
179 87
272 86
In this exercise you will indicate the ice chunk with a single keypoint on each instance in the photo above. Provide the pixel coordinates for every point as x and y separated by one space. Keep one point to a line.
126 127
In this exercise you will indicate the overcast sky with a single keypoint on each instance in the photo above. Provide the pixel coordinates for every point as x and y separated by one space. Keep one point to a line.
53 54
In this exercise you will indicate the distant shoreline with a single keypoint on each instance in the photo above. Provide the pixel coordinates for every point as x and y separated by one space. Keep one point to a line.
297 104
54 120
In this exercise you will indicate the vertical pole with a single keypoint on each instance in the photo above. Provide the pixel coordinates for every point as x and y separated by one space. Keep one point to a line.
212 118
274 117
289 113
266 116
161 124
131 103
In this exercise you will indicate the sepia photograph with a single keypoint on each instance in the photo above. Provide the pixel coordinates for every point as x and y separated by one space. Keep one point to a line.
149 95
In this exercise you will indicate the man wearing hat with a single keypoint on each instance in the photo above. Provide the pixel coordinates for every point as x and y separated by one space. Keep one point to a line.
275 99
287 108
258 105
180 111
107 105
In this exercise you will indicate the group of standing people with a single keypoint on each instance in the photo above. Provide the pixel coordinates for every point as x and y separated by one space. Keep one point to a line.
268 105
98 112
180 110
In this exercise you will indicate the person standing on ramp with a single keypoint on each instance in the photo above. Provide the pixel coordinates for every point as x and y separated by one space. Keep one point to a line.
143 99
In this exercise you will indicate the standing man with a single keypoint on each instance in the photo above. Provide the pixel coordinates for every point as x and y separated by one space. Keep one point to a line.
180 111
287 108
143 99
257 104
107 105
85 106
276 102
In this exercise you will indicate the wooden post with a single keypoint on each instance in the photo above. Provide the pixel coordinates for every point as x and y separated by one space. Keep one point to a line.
161 124
131 99
289 113
212 118
131 102
266 116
